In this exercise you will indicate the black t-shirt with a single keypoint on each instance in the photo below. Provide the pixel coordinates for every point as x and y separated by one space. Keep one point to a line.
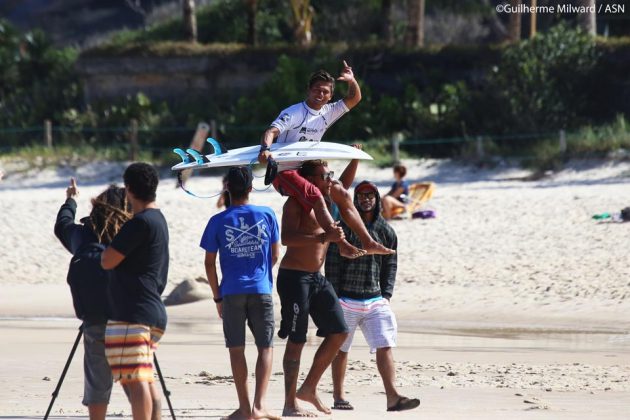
141 277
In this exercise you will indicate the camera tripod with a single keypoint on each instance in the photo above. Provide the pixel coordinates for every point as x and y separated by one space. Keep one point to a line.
166 392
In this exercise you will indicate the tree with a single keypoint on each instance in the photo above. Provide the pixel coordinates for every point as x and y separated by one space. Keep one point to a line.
387 32
302 21
415 23
544 87
586 20
514 28
190 21
252 7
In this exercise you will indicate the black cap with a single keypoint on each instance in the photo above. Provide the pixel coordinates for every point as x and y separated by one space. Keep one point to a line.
239 179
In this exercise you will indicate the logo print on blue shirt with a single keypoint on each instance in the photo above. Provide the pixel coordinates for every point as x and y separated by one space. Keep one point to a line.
245 241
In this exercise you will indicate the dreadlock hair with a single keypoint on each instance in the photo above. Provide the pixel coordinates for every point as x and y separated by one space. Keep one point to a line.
110 210
309 166
322 76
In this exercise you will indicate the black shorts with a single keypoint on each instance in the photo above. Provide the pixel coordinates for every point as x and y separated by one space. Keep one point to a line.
303 293
256 310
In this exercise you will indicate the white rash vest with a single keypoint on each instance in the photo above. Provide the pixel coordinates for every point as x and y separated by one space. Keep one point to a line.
301 123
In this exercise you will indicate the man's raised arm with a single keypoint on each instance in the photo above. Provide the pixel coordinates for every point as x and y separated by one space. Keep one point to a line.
353 97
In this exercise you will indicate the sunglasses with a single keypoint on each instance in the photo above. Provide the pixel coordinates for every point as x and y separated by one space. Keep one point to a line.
327 176
369 195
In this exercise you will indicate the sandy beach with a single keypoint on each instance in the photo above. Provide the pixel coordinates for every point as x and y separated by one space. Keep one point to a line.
512 303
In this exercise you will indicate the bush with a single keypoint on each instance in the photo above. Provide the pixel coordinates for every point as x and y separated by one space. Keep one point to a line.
37 80
224 21
544 83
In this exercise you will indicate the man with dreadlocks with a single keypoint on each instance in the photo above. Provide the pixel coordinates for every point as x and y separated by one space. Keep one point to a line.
88 282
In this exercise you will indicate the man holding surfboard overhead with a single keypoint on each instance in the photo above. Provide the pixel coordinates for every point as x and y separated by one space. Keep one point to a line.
308 121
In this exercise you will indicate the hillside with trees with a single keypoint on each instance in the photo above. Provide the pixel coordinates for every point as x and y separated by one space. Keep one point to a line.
437 74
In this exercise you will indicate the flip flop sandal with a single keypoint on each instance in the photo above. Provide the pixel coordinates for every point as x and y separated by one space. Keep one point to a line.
404 403
342 405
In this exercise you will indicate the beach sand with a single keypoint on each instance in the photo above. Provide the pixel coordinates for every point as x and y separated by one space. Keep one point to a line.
512 302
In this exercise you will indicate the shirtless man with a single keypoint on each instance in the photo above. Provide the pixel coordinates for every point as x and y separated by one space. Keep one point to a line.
303 290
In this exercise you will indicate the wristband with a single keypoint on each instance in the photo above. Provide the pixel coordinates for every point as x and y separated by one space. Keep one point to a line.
218 300
264 148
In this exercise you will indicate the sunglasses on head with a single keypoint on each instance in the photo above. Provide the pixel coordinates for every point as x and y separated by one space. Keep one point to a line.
369 195
327 176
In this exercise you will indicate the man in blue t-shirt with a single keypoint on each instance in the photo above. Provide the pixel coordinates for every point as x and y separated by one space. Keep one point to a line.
246 238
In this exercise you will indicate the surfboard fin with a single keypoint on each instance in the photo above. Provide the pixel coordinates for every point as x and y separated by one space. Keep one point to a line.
182 154
196 155
219 149
271 172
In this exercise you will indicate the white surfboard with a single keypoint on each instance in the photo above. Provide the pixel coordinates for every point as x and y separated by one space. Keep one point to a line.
281 152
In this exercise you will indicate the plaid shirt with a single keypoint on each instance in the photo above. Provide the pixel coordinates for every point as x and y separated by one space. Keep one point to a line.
364 277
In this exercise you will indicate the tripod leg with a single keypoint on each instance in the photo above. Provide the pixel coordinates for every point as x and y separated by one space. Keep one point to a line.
65 369
167 393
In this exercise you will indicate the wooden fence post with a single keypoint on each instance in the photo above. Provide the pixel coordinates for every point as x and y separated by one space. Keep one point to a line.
213 129
396 139
48 141
198 142
480 152
563 141
133 140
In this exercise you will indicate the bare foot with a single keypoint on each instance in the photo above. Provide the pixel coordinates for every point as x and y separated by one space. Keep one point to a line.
374 248
313 399
236 415
349 251
256 414
297 412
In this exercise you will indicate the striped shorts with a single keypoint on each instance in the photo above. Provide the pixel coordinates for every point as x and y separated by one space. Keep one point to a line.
129 349
374 317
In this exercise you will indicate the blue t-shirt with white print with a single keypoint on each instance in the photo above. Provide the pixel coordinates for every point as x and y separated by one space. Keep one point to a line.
242 236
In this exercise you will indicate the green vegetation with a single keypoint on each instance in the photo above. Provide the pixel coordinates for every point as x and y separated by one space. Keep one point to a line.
222 22
587 142
545 81
381 151
37 81
520 96
29 157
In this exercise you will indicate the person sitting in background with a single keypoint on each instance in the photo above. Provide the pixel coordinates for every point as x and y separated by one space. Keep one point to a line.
110 210
394 201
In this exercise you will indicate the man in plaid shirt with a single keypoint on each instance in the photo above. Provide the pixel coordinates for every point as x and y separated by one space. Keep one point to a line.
364 287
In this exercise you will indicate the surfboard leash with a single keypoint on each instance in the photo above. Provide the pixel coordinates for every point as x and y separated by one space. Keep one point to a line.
180 184
251 166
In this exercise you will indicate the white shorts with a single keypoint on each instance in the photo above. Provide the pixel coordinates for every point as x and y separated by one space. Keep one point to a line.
376 319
